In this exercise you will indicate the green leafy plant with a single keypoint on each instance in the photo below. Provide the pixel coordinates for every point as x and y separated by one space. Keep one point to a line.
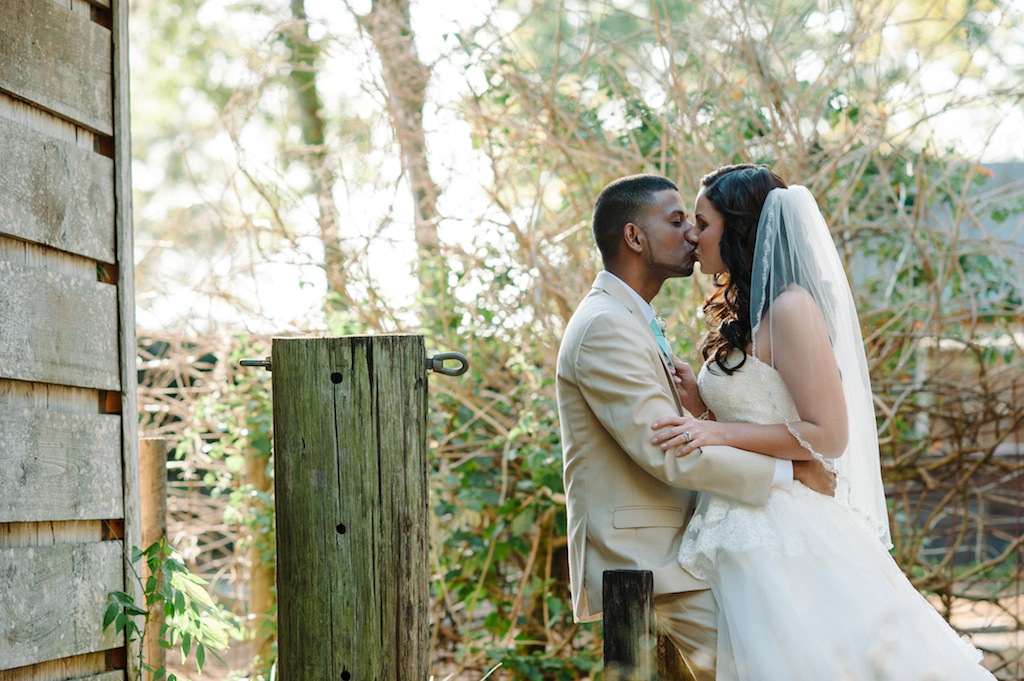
192 621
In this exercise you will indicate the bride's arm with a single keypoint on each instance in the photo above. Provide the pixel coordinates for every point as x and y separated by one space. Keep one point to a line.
802 354
686 387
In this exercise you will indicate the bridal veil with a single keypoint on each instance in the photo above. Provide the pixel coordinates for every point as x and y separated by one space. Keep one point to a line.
794 247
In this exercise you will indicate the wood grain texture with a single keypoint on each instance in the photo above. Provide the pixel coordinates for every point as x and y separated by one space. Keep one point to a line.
51 533
52 601
56 194
153 489
350 480
58 60
27 254
59 466
126 340
24 114
153 521
58 329
46 396
88 667
630 638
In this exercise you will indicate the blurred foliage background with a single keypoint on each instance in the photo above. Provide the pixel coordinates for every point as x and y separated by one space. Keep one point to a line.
374 166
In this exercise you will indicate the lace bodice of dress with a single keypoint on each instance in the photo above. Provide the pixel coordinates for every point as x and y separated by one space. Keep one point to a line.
755 393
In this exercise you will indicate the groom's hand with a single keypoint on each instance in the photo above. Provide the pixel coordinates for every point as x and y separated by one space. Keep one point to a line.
814 475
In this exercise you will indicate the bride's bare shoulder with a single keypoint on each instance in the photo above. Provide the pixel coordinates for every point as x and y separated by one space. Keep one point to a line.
794 295
794 304
793 320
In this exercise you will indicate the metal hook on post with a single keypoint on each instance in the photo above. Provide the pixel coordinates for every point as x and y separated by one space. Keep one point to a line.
265 363
436 363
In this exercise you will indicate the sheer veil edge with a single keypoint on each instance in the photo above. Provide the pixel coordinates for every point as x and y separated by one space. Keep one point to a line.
794 246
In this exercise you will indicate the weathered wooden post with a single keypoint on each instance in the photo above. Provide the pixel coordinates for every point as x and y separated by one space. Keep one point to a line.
261 575
153 519
630 633
351 497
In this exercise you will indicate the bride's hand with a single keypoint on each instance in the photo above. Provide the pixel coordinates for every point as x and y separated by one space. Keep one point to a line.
685 434
686 385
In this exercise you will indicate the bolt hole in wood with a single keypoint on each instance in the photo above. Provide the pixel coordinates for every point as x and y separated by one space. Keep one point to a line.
345 676
336 377
341 528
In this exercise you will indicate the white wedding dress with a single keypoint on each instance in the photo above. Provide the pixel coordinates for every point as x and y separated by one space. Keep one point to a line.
806 590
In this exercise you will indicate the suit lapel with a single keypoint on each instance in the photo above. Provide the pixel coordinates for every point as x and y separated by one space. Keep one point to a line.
616 289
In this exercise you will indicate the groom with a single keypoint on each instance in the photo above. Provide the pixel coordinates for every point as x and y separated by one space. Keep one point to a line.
628 501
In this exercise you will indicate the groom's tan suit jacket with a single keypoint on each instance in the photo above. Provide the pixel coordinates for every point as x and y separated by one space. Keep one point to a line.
628 501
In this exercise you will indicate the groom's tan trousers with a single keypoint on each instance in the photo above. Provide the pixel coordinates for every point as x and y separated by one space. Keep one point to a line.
690 619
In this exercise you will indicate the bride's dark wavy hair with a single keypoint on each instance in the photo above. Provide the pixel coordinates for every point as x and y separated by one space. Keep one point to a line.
738 192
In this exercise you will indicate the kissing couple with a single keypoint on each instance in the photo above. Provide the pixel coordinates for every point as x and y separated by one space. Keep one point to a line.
751 489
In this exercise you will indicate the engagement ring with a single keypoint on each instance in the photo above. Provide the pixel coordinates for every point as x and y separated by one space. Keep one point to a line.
686 436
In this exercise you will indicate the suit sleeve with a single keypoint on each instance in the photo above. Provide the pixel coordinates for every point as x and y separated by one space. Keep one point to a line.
621 380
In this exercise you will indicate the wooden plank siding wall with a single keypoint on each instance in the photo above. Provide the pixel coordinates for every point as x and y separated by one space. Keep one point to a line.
68 427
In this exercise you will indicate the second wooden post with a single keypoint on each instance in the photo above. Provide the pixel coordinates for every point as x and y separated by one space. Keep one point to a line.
630 636
351 497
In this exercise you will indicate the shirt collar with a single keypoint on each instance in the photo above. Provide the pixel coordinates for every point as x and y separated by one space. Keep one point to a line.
644 306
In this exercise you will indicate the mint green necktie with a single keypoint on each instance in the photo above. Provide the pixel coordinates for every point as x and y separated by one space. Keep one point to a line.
659 335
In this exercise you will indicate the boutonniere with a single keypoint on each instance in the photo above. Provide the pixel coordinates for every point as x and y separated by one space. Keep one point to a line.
661 322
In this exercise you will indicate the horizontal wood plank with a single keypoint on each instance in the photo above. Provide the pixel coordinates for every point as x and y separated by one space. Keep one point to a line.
54 193
53 532
88 667
58 329
56 466
58 60
27 254
25 114
53 600
47 396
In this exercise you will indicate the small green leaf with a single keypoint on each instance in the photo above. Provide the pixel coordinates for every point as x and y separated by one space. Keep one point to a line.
121 597
111 613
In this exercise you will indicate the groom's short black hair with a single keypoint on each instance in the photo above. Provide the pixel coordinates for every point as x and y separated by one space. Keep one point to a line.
620 203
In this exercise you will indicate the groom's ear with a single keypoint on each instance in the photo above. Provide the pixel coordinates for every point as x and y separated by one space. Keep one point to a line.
633 237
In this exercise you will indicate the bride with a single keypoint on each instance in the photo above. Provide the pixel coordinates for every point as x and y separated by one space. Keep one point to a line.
806 588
